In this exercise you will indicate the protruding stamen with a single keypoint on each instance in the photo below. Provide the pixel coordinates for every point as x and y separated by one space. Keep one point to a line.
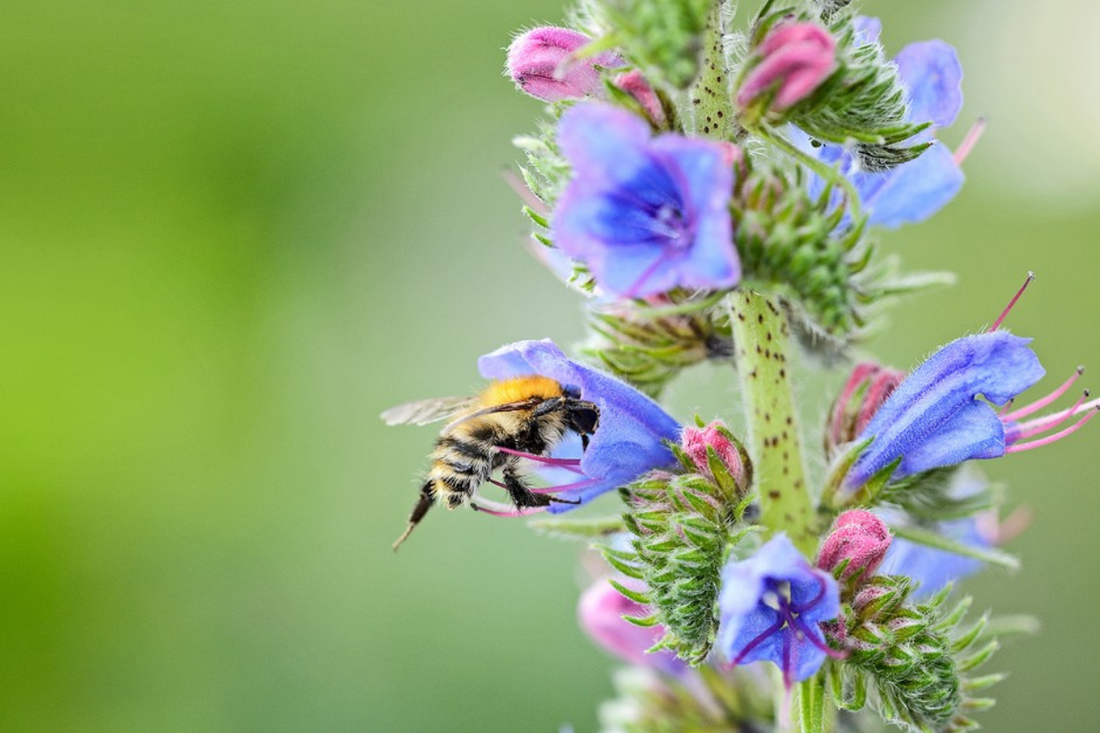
973 135
756 642
566 487
571 464
1006 408
1053 438
497 509
1040 404
809 635
1011 303
1045 423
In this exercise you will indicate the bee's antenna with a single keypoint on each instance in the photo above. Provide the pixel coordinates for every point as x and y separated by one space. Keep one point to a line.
422 506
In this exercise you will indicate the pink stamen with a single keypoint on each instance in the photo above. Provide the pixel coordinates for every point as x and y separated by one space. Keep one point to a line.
1042 424
756 642
646 274
973 135
1040 404
503 510
1006 408
565 487
1011 303
526 195
571 464
808 634
1018 447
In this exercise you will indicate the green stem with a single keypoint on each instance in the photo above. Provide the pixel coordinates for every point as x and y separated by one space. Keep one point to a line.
826 172
711 99
761 338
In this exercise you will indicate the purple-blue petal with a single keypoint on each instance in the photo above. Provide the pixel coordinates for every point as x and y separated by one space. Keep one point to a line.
930 568
913 191
867 29
931 419
604 144
644 214
748 628
932 76
629 439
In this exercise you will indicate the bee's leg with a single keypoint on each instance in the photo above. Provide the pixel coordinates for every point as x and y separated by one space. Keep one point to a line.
584 442
427 498
522 496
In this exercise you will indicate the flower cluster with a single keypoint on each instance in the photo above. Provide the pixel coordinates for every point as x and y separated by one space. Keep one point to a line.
713 192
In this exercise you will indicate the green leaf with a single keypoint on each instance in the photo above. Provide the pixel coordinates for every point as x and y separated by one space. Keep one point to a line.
811 698
937 541
578 529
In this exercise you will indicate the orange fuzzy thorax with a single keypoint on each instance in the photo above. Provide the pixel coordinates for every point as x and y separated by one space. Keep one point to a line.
518 390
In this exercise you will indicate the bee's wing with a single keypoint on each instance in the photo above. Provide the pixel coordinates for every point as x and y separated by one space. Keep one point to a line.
491 409
423 412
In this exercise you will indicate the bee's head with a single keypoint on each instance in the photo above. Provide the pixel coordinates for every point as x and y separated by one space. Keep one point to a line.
584 417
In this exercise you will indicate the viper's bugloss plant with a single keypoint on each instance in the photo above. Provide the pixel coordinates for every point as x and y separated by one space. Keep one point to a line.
715 192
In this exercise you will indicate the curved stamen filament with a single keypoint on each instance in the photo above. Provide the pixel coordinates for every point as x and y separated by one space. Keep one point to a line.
757 641
570 464
1053 438
1041 403
808 633
800 608
1046 422
565 487
1011 303
973 135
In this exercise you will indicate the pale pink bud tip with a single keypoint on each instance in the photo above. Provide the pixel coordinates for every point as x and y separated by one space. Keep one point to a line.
859 537
634 84
542 63
795 58
867 388
695 442
601 614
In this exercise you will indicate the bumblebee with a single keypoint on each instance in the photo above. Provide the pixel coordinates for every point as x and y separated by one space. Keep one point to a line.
510 420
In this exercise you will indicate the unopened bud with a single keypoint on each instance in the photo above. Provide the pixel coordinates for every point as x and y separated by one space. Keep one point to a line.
793 61
601 614
861 539
866 389
634 84
732 459
543 62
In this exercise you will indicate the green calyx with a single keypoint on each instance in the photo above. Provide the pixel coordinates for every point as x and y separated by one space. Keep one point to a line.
681 528
649 345
913 657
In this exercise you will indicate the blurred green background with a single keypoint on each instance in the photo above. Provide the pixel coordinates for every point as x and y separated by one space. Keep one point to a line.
232 233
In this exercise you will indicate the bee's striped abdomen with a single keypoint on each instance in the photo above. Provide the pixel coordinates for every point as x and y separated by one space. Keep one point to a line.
462 461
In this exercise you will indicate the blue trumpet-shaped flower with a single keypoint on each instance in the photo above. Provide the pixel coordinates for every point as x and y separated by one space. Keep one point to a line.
930 568
645 214
632 429
771 607
936 418
911 192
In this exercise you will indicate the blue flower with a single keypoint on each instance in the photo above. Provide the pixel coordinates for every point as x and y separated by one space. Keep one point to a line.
931 568
934 418
911 192
645 214
632 428
771 607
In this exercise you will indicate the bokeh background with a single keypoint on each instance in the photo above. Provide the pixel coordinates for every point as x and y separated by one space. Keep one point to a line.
232 233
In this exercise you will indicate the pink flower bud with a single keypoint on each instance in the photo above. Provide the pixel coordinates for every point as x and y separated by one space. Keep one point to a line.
695 442
794 59
601 614
859 537
542 63
634 84
866 389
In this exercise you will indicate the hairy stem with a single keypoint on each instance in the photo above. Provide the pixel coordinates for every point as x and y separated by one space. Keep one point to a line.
761 339
711 102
